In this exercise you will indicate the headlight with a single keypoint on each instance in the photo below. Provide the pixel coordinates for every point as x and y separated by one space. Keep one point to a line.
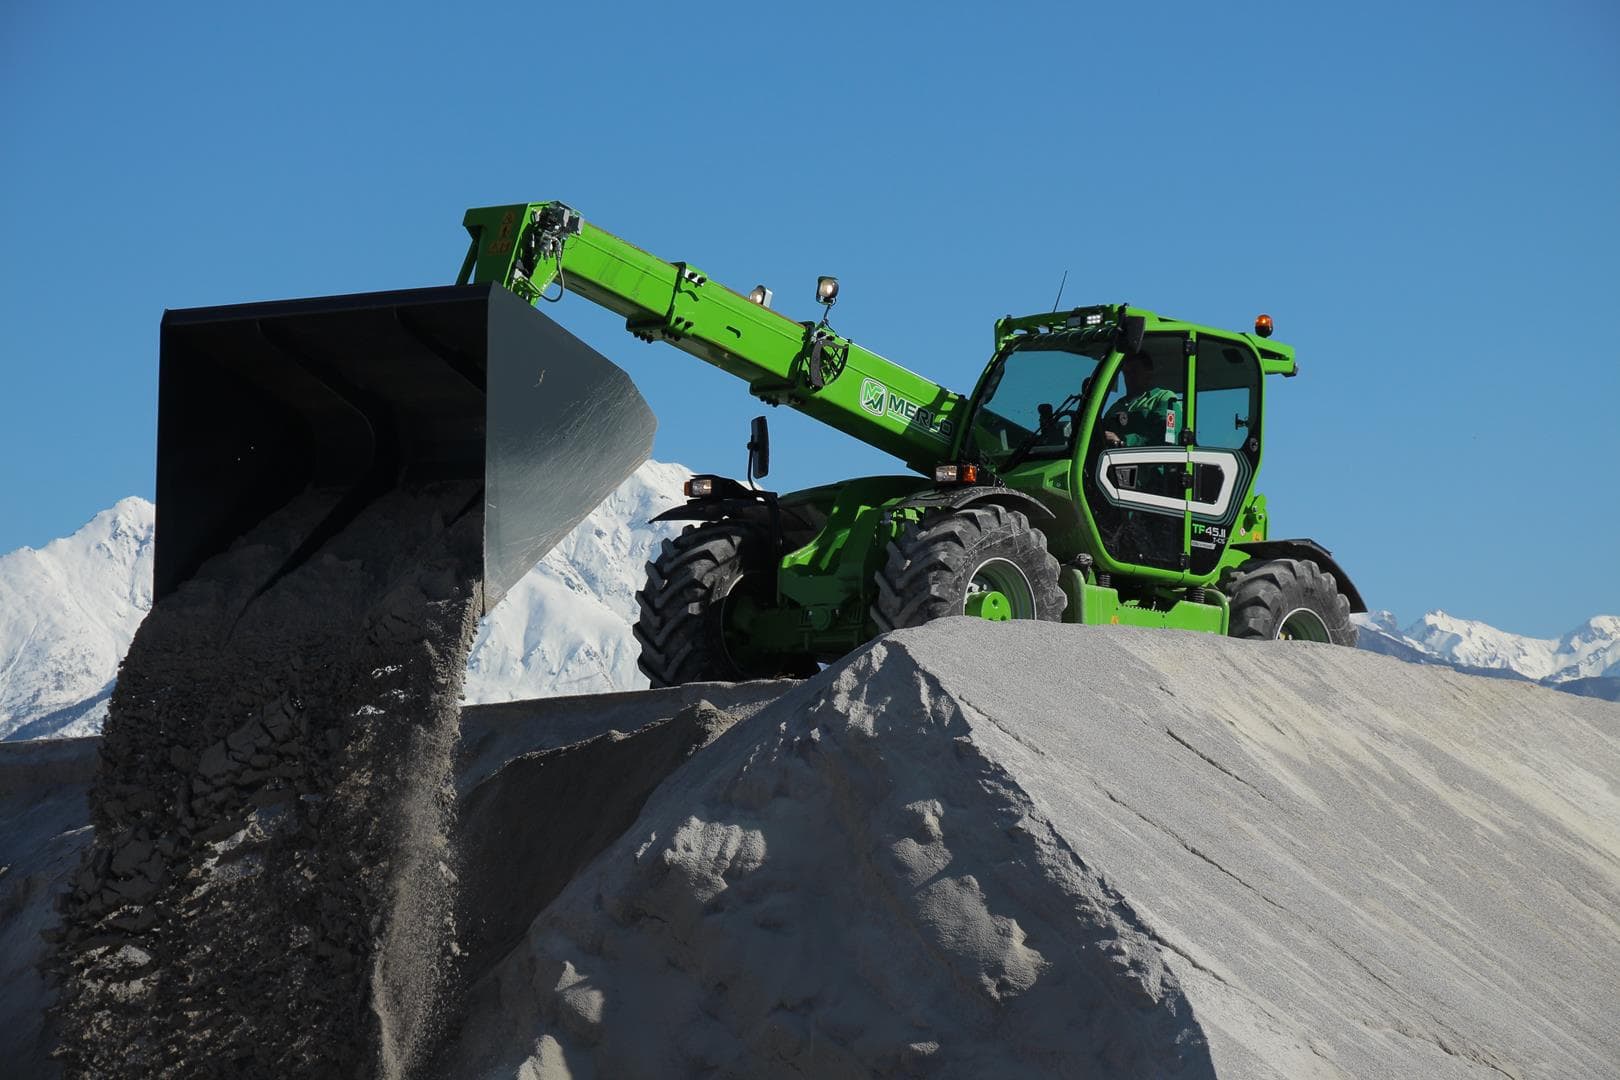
956 474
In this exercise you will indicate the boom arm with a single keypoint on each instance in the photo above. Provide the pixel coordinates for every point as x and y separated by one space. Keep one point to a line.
529 247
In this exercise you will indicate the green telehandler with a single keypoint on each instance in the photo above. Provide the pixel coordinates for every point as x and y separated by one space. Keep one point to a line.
1102 471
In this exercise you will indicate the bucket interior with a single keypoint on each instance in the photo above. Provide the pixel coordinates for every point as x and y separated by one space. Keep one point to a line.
359 394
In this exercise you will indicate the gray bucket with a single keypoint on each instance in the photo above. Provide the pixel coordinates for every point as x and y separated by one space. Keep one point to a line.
357 395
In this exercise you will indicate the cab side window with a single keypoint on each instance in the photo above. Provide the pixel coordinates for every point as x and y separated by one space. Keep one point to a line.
1154 410
1226 450
1228 405
1136 460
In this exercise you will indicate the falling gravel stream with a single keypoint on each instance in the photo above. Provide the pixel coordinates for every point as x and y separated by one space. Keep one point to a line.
270 893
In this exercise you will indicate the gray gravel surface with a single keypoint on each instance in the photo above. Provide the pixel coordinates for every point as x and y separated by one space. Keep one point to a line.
968 850
494 734
526 830
44 831
1358 867
976 850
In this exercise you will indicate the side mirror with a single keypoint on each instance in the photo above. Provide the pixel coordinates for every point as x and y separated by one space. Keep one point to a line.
759 449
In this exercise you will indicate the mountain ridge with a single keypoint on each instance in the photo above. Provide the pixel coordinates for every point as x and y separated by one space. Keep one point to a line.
67 613
1585 660
69 609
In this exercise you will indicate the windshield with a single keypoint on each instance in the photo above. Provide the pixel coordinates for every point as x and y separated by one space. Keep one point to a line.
1038 387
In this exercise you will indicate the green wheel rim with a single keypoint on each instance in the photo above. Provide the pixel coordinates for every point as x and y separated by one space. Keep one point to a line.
998 590
1302 624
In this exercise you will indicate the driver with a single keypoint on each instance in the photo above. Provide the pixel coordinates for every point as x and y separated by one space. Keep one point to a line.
1138 419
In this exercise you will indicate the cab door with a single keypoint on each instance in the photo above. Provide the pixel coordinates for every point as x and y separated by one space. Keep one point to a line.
1224 454
1136 486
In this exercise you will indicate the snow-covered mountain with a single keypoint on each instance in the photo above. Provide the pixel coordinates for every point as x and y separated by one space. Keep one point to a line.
69 610
67 614
565 627
1586 660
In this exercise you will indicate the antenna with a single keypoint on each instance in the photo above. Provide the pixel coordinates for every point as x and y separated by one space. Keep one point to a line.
1062 283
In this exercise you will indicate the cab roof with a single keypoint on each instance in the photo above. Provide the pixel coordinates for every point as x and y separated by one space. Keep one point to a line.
1275 357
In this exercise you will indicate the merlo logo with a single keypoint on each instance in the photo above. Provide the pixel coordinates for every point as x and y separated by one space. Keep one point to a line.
873 394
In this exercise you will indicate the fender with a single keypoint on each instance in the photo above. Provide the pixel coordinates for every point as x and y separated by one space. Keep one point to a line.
958 498
728 500
712 509
1307 549
732 501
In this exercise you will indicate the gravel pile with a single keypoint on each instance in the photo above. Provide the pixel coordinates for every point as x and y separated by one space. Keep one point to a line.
44 831
270 893
967 850
1040 850
842 886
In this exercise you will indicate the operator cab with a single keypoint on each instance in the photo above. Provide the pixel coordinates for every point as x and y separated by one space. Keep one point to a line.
1162 478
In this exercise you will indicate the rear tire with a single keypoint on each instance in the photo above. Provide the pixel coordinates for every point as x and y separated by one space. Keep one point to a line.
936 564
690 586
1288 599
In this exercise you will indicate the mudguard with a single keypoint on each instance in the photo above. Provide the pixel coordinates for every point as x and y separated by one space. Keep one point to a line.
1307 549
957 498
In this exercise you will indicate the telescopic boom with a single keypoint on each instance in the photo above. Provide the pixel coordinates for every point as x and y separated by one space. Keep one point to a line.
537 250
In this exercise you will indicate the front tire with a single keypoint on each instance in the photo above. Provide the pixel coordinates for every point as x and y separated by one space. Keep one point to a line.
1290 600
685 627
939 565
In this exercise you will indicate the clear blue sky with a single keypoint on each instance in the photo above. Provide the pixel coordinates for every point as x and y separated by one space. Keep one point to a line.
1423 195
